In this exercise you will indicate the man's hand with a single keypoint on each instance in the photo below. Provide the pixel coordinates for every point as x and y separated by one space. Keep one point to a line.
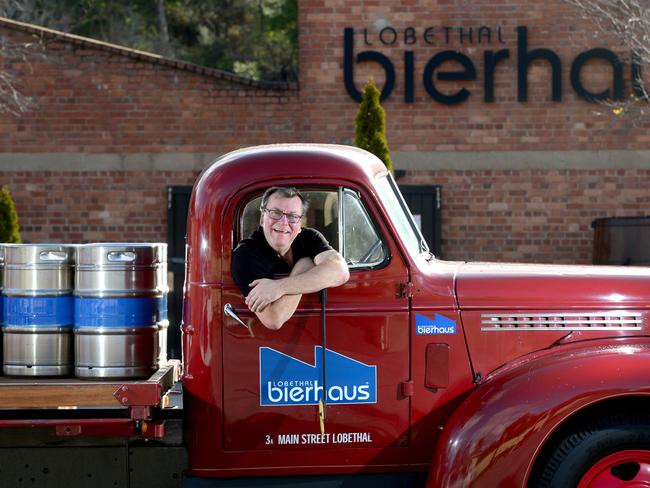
263 292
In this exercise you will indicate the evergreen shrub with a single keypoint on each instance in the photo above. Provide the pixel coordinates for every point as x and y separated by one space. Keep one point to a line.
370 124
9 228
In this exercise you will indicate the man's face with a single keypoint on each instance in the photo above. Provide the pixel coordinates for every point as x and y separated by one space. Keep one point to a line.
280 233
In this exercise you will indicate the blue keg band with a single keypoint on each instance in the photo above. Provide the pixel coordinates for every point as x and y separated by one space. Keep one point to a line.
116 312
38 311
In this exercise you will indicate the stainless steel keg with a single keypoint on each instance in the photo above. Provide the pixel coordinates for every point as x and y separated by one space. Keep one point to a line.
38 310
120 309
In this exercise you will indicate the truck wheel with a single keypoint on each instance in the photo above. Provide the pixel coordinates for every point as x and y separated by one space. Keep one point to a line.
611 452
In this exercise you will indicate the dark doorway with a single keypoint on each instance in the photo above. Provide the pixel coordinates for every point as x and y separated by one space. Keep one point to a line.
622 241
178 201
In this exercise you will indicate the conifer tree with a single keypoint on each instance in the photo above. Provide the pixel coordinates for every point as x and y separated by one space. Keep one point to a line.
9 228
370 124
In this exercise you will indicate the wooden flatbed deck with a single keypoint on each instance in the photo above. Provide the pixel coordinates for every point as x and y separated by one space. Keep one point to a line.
74 393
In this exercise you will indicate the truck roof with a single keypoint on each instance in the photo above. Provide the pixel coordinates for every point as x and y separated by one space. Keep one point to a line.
249 165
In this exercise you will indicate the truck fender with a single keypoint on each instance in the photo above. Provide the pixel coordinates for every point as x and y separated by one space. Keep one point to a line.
494 436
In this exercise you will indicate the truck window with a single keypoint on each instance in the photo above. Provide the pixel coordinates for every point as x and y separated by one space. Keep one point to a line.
362 246
340 216
401 216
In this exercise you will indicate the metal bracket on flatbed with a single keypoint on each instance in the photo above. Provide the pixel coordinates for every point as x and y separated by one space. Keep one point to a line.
146 393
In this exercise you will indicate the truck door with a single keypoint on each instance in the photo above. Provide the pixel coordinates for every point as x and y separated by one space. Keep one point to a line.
272 379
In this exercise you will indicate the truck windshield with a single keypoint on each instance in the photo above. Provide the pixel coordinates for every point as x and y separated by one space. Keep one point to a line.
401 216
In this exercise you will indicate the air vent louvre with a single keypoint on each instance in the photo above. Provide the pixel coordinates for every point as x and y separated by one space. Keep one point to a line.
562 321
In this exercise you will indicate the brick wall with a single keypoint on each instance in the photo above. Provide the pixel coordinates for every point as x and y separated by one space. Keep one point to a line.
97 101
103 102
92 100
94 206
531 215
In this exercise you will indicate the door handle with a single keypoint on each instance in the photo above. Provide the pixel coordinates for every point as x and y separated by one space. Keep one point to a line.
228 310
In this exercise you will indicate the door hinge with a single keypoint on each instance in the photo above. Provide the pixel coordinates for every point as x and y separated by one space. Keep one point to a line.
405 290
407 388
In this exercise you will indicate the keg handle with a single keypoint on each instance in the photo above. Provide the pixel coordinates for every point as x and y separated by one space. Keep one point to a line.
227 309
52 256
121 256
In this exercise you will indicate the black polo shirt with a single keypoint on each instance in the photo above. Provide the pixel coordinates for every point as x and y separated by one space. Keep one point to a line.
253 258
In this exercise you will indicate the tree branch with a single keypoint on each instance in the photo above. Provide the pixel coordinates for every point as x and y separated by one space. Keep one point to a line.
628 21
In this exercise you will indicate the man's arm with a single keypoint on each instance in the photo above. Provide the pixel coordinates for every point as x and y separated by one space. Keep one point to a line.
329 270
274 315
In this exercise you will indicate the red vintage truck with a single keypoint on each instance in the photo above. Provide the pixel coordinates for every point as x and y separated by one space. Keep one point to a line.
416 372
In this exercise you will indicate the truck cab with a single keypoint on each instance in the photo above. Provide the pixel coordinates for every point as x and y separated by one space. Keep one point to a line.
415 371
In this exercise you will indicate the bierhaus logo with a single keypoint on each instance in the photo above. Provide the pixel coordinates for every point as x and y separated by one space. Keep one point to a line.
286 381
439 324
443 65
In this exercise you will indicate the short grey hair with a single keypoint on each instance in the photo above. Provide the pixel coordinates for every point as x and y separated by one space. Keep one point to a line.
284 192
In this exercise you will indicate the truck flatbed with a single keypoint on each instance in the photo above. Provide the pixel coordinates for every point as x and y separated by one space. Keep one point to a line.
70 393
122 406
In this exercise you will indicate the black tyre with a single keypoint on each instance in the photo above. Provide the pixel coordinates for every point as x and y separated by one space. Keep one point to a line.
609 452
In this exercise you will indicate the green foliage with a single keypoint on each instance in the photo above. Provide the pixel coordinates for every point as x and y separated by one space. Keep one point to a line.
255 38
9 228
370 124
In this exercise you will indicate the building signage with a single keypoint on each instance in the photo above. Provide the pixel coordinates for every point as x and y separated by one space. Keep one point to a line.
360 47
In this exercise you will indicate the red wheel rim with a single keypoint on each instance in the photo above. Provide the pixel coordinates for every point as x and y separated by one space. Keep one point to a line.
629 469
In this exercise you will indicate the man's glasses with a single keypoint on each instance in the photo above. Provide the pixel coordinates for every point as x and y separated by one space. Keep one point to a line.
277 215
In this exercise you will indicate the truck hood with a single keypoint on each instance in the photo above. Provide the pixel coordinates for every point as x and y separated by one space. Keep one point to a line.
548 286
